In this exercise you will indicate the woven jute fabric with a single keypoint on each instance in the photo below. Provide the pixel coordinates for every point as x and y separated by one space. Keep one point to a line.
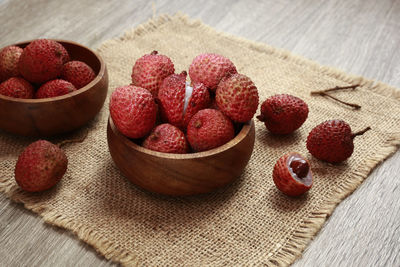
246 223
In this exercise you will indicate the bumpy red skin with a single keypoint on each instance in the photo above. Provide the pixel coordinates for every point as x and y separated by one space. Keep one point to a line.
172 99
133 111
168 139
9 57
150 70
78 73
55 88
209 128
284 180
331 141
283 114
17 87
209 69
40 166
42 60
237 97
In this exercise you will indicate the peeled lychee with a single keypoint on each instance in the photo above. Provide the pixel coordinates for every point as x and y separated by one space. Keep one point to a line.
17 87
42 60
209 128
283 114
9 57
55 88
133 111
78 73
40 166
292 174
179 101
209 69
332 141
237 97
167 138
150 70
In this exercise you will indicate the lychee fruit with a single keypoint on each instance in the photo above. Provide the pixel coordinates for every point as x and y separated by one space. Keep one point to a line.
283 114
133 111
209 128
332 141
55 88
209 69
237 97
150 70
40 166
17 87
78 73
168 139
179 100
42 60
9 57
292 174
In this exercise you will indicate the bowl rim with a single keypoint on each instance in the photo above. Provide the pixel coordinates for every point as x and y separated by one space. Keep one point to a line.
97 79
243 133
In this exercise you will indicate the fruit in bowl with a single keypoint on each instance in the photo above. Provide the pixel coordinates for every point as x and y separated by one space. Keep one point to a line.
69 83
196 146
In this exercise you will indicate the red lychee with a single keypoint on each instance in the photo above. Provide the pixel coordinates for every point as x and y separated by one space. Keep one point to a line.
167 138
55 88
133 111
9 57
40 166
209 69
78 73
209 128
17 87
150 70
237 97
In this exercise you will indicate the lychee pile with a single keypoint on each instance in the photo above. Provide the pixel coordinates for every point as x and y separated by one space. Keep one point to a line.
42 69
166 112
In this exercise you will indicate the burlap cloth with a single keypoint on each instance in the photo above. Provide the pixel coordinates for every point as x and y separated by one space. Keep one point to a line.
246 223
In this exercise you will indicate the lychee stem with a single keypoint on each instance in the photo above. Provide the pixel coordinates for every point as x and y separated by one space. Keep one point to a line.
360 132
355 106
77 140
336 88
155 52
260 117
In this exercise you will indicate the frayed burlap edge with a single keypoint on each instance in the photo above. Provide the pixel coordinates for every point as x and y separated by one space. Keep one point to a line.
293 247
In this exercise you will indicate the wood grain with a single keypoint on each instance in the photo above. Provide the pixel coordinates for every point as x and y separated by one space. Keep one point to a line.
51 116
181 174
360 37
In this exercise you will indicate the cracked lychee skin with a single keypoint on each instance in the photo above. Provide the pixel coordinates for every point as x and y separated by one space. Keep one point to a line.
9 57
17 87
133 111
150 70
209 128
78 73
55 88
168 139
331 141
209 69
283 113
172 99
42 60
237 97
289 180
40 166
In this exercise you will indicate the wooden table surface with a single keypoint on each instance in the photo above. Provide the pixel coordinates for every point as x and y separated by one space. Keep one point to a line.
360 36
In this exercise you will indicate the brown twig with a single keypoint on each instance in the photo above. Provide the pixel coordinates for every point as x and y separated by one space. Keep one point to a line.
336 88
360 132
76 140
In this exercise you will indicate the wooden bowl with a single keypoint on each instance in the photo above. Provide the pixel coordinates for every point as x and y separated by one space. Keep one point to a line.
181 174
50 116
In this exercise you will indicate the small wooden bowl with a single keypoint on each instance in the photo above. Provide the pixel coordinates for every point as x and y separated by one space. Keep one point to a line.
181 174
50 116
